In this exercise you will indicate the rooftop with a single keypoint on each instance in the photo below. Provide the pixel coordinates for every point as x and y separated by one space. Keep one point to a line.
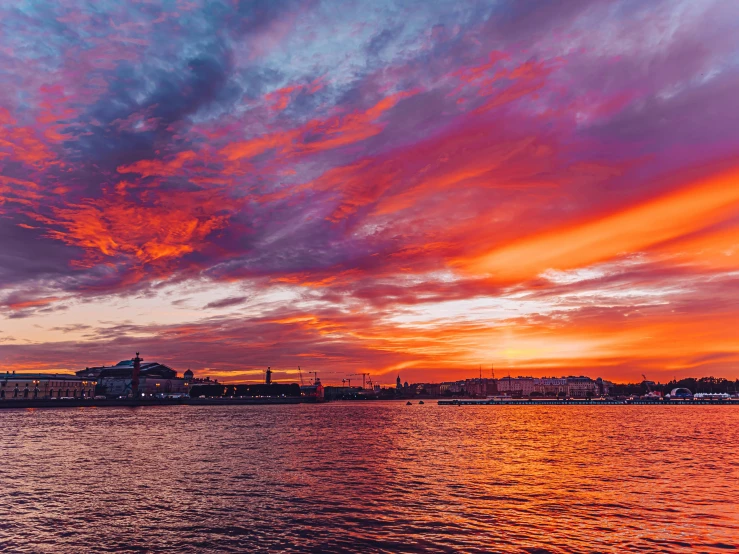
40 376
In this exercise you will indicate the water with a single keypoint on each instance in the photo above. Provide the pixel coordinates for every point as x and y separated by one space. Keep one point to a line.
370 477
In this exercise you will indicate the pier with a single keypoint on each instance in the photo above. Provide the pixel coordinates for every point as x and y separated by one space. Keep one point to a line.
26 403
584 402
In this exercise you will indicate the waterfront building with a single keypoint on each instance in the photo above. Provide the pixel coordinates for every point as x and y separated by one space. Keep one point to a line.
154 379
518 386
604 387
24 386
344 393
480 387
551 386
314 392
581 387
430 389
450 388
575 387
681 392
259 390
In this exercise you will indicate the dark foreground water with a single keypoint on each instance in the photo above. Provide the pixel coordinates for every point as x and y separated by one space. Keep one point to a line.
370 477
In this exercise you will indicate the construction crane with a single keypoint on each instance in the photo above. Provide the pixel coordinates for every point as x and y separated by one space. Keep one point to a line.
301 377
646 382
363 377
651 393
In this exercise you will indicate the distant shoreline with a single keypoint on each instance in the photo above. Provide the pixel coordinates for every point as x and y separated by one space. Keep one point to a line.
23 404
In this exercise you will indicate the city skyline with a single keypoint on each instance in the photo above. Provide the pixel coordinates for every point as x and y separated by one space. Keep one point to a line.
396 187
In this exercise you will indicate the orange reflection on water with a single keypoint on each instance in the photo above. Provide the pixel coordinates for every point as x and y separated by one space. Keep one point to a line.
371 477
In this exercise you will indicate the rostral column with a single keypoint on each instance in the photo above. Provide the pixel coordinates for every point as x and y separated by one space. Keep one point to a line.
135 378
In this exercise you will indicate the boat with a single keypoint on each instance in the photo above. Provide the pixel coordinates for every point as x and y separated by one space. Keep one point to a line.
409 403
421 402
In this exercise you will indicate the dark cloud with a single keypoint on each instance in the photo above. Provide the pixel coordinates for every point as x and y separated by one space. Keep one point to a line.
27 255
71 328
253 16
381 40
226 302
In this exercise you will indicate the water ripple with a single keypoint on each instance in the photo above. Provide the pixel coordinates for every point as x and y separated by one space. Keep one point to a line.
370 477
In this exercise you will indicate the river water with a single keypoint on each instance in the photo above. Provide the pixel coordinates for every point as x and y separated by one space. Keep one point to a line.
370 477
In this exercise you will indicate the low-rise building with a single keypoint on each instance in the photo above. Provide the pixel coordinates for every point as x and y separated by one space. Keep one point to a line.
342 393
45 385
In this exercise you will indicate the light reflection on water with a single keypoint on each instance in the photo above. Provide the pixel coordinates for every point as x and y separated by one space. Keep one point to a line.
371 477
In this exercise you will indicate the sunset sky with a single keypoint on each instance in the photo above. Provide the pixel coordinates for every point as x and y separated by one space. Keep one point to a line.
414 187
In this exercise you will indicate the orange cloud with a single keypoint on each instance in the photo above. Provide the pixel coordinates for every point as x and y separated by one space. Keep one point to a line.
715 250
174 224
149 168
35 303
342 130
631 230
318 135
279 99
22 144
18 191
259 145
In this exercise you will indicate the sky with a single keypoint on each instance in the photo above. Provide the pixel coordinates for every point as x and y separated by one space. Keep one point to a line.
430 189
